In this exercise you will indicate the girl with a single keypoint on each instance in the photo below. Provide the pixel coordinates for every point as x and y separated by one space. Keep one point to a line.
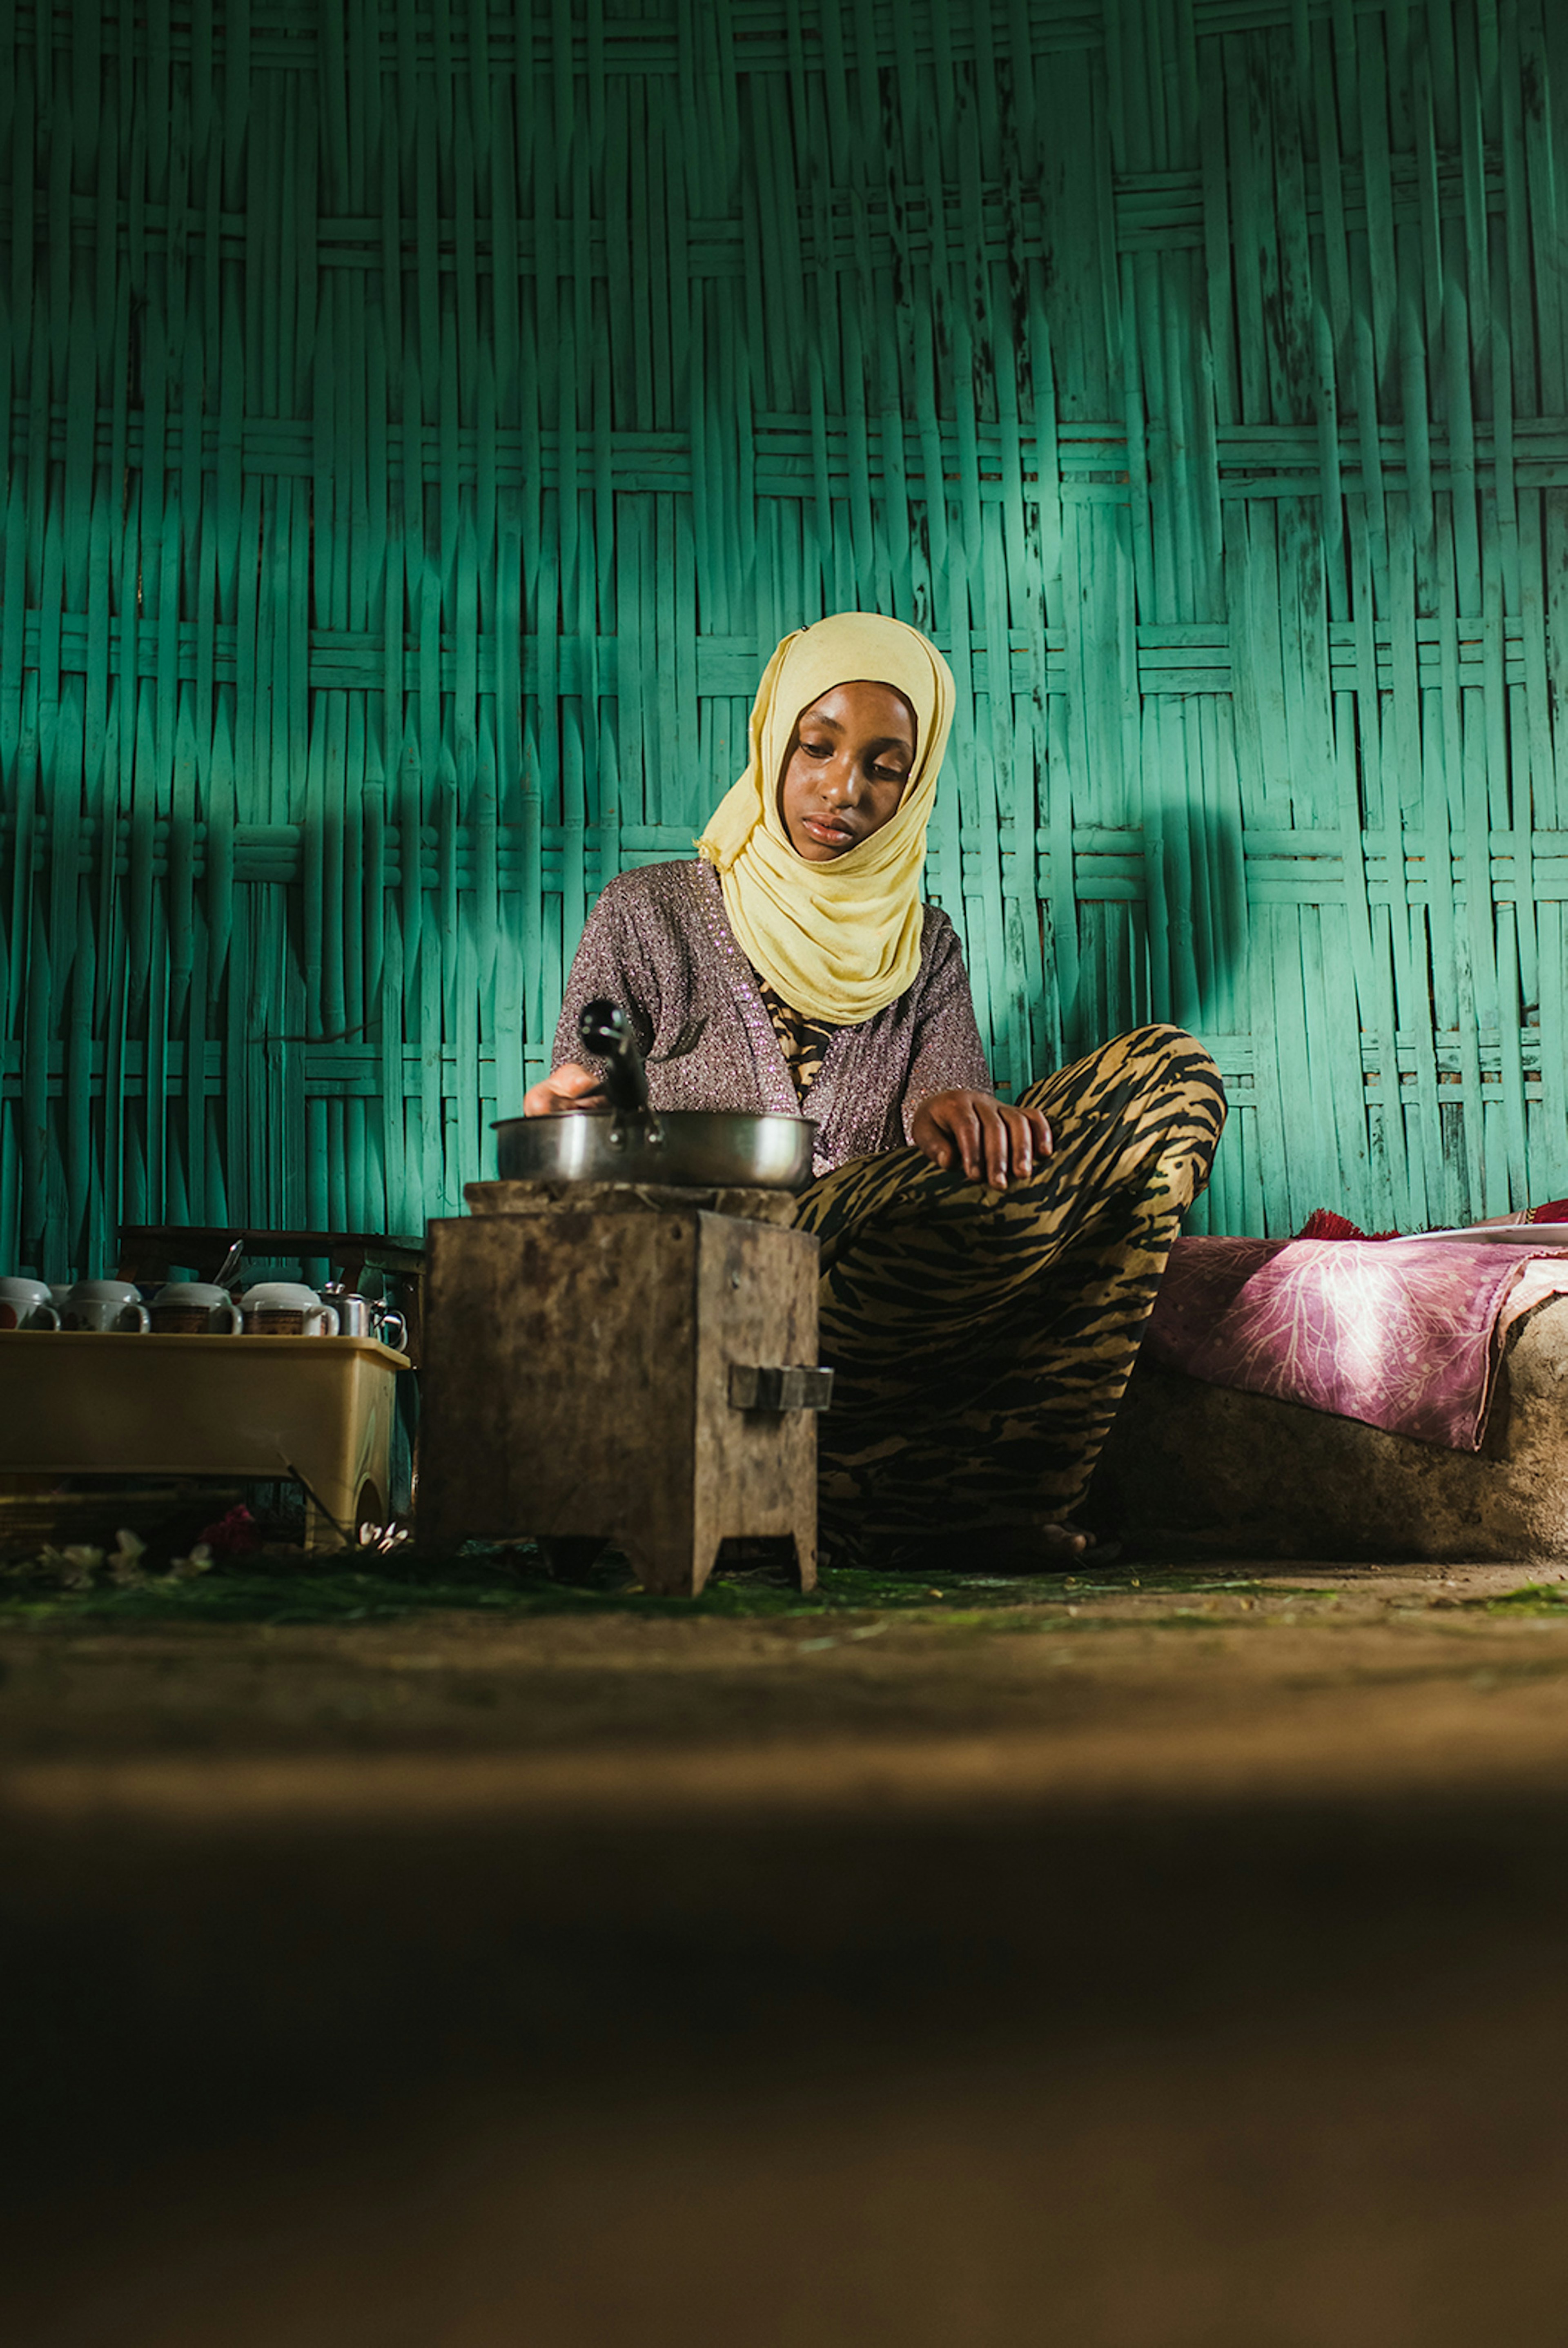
987 1267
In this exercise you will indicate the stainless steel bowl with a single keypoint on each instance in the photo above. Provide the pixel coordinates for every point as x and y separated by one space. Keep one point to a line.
695 1149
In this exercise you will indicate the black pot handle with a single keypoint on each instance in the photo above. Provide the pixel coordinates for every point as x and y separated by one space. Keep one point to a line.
605 1031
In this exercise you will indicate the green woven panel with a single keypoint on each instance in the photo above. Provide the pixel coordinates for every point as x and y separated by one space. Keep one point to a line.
422 423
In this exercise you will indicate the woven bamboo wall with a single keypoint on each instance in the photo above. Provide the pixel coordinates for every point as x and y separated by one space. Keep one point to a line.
422 426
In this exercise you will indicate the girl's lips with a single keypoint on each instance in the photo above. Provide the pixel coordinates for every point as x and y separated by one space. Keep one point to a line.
829 835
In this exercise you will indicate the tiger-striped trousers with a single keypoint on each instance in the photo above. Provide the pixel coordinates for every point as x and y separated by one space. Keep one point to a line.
982 1338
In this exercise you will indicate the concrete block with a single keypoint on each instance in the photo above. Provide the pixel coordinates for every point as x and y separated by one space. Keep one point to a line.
1195 1465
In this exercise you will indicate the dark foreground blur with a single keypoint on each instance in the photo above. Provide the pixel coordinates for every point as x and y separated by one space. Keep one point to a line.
1122 2068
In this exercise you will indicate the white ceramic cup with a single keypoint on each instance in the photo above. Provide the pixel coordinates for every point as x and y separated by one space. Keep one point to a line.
106 1305
284 1308
26 1304
194 1308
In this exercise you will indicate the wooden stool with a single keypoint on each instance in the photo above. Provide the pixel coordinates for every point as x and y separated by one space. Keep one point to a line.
612 1363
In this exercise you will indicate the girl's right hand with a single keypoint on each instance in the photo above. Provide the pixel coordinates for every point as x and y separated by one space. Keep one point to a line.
564 1087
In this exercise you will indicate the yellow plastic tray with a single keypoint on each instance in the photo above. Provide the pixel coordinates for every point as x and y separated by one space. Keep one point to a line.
321 1408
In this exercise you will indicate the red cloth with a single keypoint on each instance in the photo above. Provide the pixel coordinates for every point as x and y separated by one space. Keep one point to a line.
1323 1223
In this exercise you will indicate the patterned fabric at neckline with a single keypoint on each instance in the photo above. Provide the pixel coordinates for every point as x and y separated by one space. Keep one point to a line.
803 1042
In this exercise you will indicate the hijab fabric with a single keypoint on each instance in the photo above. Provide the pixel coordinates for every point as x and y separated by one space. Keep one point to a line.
839 941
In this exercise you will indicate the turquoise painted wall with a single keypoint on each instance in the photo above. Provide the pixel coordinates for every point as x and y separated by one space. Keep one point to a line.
422 425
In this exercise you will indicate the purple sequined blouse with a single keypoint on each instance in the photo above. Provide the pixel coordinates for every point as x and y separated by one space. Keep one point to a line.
659 944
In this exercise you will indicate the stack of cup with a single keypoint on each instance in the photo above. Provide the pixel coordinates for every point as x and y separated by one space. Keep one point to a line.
26 1304
182 1308
285 1308
194 1308
106 1305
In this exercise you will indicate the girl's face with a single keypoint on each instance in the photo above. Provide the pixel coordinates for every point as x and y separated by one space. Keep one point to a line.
848 759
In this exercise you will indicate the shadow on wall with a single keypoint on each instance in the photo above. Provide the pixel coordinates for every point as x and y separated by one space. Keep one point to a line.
1161 934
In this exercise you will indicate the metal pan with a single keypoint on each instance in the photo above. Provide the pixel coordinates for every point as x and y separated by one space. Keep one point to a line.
695 1149
627 1141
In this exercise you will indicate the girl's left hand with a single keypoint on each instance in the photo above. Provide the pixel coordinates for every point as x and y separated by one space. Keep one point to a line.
989 1139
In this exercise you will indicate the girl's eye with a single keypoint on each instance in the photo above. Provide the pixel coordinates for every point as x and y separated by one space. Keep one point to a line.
888 774
818 749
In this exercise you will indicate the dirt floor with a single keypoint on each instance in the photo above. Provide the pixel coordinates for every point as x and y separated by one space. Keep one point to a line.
1152 1958
1323 1675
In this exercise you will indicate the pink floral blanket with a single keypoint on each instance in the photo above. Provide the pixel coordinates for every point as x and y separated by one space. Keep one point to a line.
1406 1334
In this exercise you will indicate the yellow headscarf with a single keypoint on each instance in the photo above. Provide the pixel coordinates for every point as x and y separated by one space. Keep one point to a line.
839 941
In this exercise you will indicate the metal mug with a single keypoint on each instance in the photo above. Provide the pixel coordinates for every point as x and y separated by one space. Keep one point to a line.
110 1306
26 1304
384 1314
360 1316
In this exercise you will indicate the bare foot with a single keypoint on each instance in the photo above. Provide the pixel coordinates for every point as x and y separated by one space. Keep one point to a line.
1042 1548
1052 1538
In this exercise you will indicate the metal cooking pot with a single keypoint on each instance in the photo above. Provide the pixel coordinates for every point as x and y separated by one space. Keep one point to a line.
695 1149
627 1141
